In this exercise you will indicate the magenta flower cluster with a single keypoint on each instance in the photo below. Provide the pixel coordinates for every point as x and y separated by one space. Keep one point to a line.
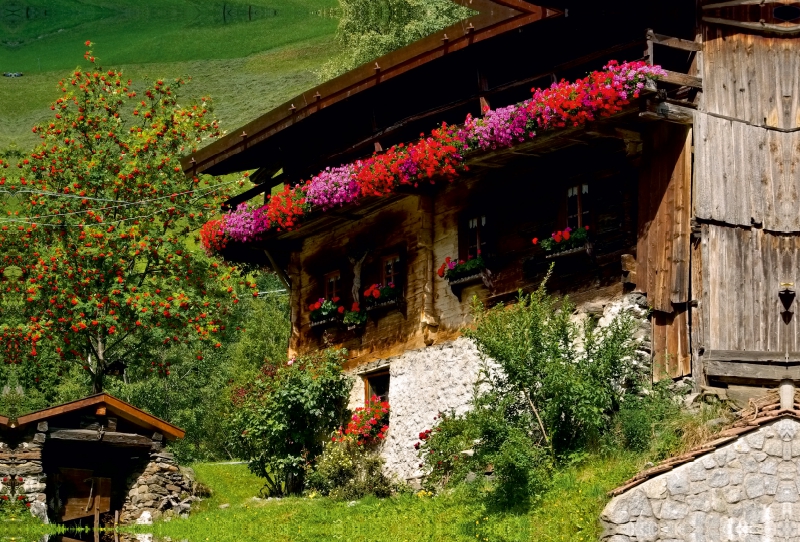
245 223
334 186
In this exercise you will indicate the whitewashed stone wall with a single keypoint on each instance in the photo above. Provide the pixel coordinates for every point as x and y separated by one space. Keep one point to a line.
422 383
745 491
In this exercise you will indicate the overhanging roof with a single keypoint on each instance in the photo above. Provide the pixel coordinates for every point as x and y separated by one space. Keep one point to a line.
116 406
259 144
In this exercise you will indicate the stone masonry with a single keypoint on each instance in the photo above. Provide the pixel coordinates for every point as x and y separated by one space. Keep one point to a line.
159 488
440 378
747 490
21 474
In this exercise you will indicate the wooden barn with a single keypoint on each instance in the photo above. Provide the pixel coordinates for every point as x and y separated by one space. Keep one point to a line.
689 193
80 461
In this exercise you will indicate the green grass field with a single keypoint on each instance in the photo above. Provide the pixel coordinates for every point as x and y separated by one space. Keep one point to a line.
248 56
567 512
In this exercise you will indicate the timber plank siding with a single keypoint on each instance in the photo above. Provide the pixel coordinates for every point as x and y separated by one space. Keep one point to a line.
743 269
751 77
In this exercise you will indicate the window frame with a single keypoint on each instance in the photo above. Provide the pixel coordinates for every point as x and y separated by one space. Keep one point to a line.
368 387
326 279
397 269
583 211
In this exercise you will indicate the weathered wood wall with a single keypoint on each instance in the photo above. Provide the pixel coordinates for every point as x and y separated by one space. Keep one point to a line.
746 195
746 175
751 77
663 254
743 270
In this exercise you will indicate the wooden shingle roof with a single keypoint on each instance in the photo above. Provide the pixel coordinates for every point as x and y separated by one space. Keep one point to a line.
113 405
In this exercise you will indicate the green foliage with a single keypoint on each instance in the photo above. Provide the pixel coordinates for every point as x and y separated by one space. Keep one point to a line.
283 417
349 471
571 376
643 420
369 29
440 449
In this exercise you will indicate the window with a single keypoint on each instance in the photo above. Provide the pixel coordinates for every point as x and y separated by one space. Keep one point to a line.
391 270
377 384
578 206
333 285
476 236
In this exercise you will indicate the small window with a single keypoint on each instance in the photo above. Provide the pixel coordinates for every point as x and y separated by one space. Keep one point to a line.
333 285
578 206
377 384
476 236
391 270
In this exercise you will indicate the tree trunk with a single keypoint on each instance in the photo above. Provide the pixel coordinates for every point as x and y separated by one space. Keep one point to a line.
100 366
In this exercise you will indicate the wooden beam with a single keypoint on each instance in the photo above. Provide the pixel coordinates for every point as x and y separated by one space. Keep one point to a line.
752 356
750 371
668 112
85 435
682 79
675 43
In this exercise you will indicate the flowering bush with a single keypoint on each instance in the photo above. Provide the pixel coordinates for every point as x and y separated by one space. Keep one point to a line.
282 417
325 308
368 425
565 239
378 293
14 508
355 316
441 154
452 270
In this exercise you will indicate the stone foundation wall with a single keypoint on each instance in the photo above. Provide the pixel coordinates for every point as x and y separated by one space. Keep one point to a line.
440 378
748 490
159 488
21 474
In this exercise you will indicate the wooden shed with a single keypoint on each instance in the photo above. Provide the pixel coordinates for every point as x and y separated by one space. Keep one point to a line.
79 457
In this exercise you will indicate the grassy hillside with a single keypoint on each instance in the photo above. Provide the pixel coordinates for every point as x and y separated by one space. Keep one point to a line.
249 55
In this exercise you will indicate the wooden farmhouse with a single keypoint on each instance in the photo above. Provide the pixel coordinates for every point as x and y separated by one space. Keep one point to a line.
86 462
690 195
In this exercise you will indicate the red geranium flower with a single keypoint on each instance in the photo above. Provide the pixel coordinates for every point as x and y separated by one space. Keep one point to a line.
535 240
341 310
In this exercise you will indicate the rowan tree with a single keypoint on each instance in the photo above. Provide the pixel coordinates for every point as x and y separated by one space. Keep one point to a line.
107 219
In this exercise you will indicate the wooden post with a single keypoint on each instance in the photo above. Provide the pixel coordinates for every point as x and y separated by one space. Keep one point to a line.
96 522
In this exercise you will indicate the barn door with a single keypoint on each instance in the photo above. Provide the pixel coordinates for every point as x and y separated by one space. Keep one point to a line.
82 494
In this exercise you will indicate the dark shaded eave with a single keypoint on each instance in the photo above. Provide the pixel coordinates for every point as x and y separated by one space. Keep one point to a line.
119 407
242 148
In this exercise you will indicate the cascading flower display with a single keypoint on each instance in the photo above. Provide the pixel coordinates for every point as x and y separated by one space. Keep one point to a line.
441 154
334 186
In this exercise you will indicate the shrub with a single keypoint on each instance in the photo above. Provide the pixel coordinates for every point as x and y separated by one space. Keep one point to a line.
567 376
441 447
348 471
284 416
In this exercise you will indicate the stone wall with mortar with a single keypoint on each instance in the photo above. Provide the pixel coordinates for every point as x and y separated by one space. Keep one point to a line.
747 491
440 378
158 488
21 474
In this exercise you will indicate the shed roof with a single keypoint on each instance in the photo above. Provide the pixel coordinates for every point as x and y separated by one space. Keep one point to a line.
116 406
761 411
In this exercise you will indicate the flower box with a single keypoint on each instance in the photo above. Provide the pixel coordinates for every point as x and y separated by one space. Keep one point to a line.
325 322
457 285
387 304
567 252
